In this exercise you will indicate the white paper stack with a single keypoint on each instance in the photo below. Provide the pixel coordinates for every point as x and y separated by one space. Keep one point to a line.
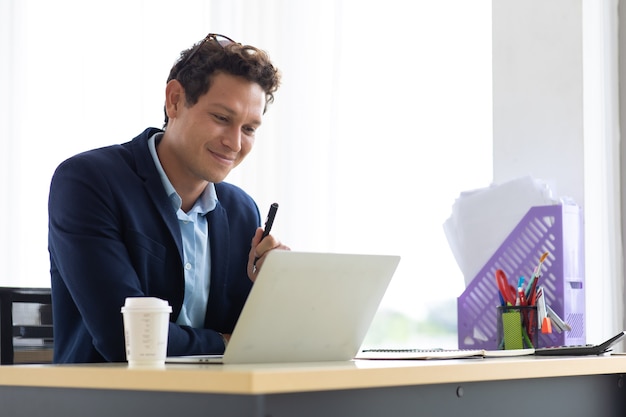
482 219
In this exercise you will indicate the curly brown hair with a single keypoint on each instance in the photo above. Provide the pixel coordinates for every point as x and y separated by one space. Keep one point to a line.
196 66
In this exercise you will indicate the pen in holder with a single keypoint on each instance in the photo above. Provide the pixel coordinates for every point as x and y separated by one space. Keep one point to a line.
517 327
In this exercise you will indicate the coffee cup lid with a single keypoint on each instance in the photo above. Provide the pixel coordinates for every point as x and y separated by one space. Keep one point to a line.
146 303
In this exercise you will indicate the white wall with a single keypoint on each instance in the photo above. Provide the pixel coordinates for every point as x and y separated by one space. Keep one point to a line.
538 92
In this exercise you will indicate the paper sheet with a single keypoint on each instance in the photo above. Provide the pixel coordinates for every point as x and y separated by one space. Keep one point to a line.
482 219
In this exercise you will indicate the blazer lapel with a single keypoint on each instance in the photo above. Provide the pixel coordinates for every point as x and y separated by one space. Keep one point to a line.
219 239
154 186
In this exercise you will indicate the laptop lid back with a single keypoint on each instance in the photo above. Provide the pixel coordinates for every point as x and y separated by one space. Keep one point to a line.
307 307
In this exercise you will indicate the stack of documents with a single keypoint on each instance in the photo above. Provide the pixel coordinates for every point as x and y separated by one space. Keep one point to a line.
482 219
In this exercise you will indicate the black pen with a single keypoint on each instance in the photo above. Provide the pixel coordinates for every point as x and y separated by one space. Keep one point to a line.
269 221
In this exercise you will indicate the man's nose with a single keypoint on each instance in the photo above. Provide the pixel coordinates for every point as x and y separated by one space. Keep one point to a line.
232 138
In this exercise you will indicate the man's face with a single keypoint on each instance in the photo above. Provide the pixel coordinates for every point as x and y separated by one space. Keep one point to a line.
206 141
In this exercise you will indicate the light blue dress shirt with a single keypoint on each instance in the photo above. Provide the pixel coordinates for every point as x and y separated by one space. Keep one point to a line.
194 229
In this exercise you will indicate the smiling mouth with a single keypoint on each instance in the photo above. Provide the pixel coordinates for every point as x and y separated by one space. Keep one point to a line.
222 158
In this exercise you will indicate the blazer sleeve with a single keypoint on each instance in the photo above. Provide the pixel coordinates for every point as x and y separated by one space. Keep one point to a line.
89 259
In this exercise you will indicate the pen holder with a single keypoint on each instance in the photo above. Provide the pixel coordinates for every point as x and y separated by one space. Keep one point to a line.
557 229
517 327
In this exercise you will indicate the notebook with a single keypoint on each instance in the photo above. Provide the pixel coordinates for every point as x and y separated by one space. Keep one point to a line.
306 307
413 354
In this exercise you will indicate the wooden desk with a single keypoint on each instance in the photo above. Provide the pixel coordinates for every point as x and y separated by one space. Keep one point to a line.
511 387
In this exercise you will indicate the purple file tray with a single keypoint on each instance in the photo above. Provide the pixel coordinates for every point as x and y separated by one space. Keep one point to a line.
557 229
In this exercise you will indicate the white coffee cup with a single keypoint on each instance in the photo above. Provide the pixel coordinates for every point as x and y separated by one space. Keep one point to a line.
146 325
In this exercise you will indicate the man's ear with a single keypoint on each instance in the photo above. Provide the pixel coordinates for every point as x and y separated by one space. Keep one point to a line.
174 98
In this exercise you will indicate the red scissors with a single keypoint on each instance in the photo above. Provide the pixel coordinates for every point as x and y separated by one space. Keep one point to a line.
508 292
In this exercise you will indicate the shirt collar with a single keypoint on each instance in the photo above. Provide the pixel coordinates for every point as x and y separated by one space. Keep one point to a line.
204 204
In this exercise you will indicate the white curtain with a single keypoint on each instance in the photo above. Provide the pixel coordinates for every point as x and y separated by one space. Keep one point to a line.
383 118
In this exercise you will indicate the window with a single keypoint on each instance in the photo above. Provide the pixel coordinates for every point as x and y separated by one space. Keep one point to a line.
384 116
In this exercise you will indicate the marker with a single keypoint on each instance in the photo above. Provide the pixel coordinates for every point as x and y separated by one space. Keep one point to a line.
269 221
521 298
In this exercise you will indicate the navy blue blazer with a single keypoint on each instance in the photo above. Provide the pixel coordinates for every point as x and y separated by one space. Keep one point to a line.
114 234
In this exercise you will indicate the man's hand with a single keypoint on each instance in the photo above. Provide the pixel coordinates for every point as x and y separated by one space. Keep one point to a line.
260 247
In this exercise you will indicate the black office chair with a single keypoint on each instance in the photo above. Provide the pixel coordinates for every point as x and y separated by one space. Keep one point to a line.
25 337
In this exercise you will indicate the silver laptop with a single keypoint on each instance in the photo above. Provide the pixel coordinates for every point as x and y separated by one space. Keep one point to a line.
307 307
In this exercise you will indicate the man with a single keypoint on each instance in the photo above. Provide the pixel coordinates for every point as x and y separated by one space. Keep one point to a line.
152 217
